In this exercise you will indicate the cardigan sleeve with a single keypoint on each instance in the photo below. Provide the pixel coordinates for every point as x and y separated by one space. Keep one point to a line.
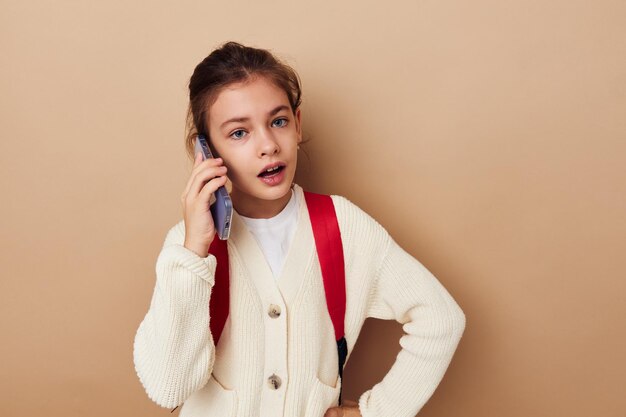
173 349
405 291
385 282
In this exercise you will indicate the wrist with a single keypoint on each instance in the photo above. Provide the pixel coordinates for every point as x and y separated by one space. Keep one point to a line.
200 249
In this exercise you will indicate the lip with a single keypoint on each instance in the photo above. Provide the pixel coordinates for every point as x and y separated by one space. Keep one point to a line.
272 165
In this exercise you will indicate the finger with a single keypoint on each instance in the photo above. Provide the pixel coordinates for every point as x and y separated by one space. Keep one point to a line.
334 412
210 187
352 412
202 165
206 170
197 159
203 178
206 163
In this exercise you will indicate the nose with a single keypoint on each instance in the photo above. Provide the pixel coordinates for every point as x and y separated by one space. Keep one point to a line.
267 144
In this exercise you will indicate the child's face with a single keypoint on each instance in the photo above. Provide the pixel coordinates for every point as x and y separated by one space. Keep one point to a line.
252 128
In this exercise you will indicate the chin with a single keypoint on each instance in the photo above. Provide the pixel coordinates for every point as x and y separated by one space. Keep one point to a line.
277 192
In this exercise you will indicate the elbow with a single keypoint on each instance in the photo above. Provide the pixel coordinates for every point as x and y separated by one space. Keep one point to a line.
160 395
165 381
459 319
449 324
455 321
442 324
159 386
151 376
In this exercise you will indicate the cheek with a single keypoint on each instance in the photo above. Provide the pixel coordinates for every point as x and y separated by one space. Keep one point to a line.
289 139
233 162
217 150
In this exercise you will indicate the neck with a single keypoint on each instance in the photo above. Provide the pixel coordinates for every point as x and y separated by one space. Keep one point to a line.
256 208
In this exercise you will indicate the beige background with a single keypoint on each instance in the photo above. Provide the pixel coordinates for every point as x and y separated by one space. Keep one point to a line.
488 137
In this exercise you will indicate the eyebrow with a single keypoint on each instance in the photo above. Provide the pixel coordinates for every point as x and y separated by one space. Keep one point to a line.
244 119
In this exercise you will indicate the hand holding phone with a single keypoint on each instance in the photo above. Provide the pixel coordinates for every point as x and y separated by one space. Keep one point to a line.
222 208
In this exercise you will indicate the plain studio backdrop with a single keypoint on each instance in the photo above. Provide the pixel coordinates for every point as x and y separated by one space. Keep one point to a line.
488 137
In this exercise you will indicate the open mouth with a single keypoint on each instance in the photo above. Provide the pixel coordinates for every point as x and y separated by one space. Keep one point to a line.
272 171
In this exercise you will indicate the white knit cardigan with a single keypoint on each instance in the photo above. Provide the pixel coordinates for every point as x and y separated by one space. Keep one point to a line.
177 362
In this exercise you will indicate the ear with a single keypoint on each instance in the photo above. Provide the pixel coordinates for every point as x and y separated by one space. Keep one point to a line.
298 125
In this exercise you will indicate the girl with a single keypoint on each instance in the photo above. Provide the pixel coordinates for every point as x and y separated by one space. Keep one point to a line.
277 355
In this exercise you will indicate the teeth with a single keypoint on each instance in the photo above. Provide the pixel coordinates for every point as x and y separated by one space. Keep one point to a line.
272 169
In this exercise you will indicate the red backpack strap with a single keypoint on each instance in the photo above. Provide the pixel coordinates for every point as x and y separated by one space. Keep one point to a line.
220 296
330 253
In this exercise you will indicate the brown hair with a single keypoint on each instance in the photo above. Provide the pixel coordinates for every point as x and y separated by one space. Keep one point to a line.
232 63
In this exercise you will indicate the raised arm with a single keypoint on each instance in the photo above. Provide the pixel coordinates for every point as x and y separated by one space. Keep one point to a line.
174 350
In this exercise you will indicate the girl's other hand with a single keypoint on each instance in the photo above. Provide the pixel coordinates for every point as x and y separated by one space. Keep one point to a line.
347 409
206 176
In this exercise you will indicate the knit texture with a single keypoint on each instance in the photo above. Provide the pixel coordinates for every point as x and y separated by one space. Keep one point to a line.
177 361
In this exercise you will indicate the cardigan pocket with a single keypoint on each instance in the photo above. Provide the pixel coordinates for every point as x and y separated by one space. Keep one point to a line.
322 398
211 400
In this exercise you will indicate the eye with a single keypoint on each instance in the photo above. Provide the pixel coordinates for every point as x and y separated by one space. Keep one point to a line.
282 122
238 134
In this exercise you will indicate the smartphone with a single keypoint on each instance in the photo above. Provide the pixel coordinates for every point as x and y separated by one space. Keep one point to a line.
222 207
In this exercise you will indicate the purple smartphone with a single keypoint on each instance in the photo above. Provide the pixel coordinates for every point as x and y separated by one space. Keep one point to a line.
222 208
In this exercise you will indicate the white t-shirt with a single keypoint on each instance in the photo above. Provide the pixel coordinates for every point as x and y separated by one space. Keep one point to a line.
274 235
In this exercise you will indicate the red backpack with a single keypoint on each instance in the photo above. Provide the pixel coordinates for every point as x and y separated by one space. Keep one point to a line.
330 254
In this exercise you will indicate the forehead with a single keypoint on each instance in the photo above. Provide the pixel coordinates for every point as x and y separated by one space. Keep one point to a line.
246 99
